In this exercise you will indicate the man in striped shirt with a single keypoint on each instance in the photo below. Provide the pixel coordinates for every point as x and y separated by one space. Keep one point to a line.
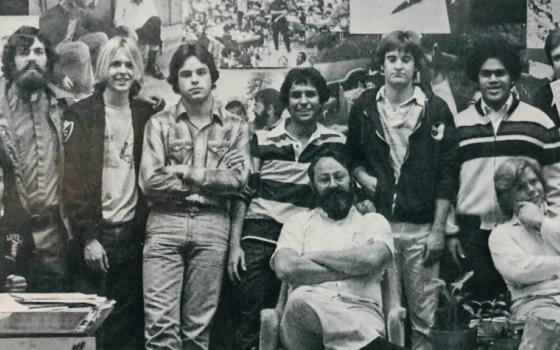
496 127
280 188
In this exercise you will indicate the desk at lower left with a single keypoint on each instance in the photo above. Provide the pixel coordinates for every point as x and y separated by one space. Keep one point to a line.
66 321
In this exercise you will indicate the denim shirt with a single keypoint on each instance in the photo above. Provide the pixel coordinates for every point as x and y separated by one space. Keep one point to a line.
170 139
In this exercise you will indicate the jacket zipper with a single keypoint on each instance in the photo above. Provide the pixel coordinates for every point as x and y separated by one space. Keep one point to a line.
424 111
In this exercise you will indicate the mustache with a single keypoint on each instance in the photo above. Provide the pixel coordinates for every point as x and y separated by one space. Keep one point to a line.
35 66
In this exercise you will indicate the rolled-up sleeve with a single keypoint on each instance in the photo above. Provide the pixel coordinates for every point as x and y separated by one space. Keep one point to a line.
155 179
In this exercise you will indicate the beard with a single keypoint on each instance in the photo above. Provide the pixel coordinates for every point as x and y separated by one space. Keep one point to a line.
31 78
336 203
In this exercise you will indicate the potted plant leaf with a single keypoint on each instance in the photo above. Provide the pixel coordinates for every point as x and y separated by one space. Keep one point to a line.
496 329
453 328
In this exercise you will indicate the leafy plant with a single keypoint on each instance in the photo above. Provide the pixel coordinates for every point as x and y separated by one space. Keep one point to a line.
492 318
451 314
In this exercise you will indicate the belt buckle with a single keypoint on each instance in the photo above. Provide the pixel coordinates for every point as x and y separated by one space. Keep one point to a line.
193 209
39 221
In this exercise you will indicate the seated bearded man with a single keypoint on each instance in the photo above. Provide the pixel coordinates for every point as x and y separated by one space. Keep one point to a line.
333 258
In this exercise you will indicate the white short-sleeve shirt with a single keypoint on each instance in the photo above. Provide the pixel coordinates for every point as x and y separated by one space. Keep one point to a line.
313 231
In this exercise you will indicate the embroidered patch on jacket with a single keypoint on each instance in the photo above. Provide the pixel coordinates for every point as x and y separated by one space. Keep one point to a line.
437 131
67 129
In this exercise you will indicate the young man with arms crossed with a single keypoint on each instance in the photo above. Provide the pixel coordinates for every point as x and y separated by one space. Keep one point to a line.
195 155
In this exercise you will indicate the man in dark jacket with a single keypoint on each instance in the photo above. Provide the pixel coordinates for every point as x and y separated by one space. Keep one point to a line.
107 210
403 143
544 99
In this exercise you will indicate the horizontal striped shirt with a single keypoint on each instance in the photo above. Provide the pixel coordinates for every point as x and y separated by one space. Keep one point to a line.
524 131
280 184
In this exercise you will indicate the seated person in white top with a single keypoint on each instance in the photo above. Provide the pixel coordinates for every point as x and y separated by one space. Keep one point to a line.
334 258
526 249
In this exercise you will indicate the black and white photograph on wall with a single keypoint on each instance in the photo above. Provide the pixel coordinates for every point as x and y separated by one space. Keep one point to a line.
277 33
279 174
424 16
542 16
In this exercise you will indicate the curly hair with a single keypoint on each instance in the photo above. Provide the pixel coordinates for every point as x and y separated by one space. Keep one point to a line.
24 37
307 75
185 51
494 47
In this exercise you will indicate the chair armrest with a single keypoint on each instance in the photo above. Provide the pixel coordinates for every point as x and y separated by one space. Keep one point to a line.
282 298
269 333
395 325
269 336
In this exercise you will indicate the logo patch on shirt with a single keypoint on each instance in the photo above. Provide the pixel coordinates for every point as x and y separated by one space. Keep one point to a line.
67 129
438 130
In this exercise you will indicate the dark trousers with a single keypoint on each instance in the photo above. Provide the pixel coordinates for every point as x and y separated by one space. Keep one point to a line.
124 327
487 283
281 27
259 286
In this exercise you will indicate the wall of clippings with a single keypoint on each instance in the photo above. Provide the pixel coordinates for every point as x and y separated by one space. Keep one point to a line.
256 41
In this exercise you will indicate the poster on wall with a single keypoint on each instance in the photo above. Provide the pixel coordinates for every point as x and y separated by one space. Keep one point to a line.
542 16
424 16
260 34
9 24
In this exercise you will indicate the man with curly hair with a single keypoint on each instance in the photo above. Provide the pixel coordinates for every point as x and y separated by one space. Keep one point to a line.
31 133
493 129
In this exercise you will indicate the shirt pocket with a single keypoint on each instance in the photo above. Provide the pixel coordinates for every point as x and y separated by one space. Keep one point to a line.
216 151
180 151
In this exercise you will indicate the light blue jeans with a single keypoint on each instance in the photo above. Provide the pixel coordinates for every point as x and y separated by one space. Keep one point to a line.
184 261
409 241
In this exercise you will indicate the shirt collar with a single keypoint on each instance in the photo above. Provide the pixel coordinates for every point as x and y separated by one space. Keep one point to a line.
351 213
217 112
418 96
487 109
280 131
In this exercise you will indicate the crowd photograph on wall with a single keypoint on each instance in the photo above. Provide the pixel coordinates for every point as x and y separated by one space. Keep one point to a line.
285 174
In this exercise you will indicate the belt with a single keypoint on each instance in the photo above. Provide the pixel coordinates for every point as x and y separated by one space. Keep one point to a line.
49 216
121 231
472 221
187 207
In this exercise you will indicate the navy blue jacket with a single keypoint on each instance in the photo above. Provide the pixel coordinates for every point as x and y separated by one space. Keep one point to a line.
430 169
